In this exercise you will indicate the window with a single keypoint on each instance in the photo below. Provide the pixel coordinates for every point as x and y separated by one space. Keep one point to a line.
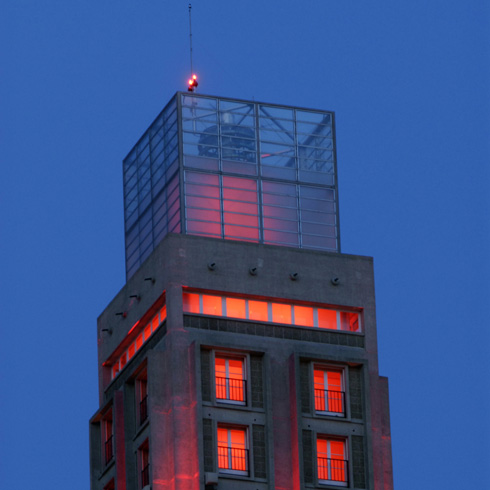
329 391
331 461
142 397
138 335
272 312
230 380
144 464
232 450
108 436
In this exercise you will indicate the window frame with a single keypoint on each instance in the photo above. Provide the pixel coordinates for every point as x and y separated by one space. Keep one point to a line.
346 467
327 368
227 356
229 457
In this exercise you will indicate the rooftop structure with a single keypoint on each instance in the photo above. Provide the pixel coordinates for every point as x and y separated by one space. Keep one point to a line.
232 169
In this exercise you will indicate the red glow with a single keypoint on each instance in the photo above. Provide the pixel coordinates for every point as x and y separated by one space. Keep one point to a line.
281 313
328 391
229 378
258 310
235 308
330 459
191 303
327 318
134 326
303 315
211 305
232 449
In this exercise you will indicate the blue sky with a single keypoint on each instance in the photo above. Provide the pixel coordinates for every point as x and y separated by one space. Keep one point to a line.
410 84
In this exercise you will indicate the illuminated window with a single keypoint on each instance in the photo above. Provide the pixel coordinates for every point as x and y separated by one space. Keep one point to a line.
232 450
108 436
144 464
140 334
230 379
329 391
331 461
272 312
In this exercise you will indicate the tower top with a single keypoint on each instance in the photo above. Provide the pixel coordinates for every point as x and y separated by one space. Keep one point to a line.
232 169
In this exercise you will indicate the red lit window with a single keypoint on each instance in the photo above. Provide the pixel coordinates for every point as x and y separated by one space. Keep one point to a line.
230 379
107 437
235 308
191 303
232 450
147 332
332 461
349 321
281 313
329 392
327 318
211 305
303 315
258 310
144 464
139 341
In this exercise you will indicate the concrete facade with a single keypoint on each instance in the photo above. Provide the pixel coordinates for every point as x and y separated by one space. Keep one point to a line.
177 441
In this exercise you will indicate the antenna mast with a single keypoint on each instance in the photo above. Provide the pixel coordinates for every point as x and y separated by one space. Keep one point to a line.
190 36
193 80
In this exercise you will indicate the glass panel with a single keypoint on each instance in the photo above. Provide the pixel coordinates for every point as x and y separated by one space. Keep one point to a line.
203 228
241 219
236 106
281 313
277 137
349 321
202 202
201 163
201 102
241 232
147 332
202 190
258 310
327 319
314 117
280 237
275 112
303 315
277 224
203 214
190 303
235 308
211 305
276 124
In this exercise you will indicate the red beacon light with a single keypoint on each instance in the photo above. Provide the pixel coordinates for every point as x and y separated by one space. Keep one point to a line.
192 83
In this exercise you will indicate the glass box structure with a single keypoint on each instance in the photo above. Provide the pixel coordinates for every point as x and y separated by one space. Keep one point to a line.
232 169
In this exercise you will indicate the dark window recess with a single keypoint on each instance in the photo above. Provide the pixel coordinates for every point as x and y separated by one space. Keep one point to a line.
355 392
308 459
208 445
358 467
206 375
304 376
143 409
145 476
109 454
259 451
257 382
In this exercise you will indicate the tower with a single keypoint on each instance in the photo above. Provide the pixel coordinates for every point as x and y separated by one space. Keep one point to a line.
242 351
